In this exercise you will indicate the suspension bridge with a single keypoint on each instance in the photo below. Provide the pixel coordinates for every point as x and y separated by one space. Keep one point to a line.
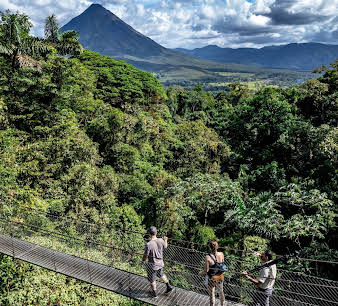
111 258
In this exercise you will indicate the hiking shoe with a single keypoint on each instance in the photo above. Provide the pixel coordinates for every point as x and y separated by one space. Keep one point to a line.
153 294
169 289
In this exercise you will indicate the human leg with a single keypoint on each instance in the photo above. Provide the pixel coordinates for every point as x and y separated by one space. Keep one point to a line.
152 280
165 280
211 290
162 276
268 293
257 298
219 287
262 297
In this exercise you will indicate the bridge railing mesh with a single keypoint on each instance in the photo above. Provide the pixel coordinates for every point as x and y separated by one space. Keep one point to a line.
123 249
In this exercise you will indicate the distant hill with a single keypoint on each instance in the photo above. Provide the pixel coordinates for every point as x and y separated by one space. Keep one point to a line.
102 31
305 56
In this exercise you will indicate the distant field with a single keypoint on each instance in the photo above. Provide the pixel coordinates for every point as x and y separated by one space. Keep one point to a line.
219 80
236 74
184 73
173 68
251 84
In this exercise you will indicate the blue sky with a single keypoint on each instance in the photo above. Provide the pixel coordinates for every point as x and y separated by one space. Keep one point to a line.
197 23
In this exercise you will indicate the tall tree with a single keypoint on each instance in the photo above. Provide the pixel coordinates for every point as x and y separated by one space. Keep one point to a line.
52 29
15 42
66 42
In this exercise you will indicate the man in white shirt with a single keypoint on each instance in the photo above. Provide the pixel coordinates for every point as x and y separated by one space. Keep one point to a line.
265 280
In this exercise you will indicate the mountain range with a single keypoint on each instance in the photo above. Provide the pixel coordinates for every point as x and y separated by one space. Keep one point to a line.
102 31
304 56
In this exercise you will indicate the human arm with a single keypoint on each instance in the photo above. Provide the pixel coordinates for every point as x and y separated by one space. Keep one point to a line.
222 256
146 253
206 266
263 275
249 278
165 239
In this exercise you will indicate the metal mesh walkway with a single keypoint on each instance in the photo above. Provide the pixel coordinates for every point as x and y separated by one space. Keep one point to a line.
119 281
122 250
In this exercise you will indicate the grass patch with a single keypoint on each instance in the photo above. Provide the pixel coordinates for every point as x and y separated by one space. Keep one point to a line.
236 74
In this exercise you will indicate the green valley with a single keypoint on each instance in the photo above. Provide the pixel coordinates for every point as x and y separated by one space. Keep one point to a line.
96 139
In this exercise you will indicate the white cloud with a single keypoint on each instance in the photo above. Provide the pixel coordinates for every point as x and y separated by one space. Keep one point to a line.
8 5
258 20
196 23
140 10
207 11
262 6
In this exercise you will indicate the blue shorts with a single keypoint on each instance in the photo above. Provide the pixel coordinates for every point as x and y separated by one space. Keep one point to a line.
153 273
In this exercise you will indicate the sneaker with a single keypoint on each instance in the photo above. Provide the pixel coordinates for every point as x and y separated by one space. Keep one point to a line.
153 294
169 289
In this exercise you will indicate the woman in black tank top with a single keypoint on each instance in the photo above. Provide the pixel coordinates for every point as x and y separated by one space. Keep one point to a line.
215 280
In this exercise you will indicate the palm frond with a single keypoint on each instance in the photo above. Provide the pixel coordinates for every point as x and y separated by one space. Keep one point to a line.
6 49
34 46
65 48
27 61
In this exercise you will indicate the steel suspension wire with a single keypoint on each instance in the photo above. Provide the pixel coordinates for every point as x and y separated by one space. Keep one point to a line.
177 241
92 226
124 282
94 230
120 247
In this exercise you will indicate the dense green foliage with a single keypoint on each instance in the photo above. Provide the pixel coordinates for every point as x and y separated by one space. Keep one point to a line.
97 139
41 287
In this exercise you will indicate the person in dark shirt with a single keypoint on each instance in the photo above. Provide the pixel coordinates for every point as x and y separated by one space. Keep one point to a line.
154 252
215 281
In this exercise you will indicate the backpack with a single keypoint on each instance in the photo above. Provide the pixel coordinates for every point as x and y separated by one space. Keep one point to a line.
219 268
